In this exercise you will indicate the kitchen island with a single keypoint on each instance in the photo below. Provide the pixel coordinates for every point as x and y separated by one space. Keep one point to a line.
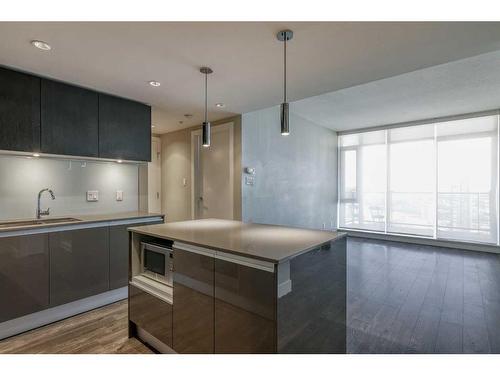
240 288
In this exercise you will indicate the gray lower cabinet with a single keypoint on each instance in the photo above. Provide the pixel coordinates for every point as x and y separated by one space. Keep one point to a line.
79 264
118 256
24 275
151 314
245 309
193 320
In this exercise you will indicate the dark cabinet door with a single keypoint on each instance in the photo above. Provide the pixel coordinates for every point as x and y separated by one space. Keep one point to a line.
24 275
245 309
19 111
69 120
79 264
193 320
151 314
124 129
118 256
119 253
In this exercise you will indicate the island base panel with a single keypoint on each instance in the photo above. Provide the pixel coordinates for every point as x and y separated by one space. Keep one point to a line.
312 316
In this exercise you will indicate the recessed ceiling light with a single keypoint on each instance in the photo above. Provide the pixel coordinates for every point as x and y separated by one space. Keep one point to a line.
119 161
220 105
41 45
36 155
154 83
152 126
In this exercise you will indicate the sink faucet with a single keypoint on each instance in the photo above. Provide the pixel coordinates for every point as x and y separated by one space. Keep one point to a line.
39 212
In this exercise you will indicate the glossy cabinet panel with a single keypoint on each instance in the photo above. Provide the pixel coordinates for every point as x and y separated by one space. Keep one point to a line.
119 253
79 264
118 256
312 315
245 309
19 111
69 118
151 314
124 129
193 320
24 275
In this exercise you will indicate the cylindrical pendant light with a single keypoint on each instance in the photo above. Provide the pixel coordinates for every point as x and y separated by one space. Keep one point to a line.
205 137
284 36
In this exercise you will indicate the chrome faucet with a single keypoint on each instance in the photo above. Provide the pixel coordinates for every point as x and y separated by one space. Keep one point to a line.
39 212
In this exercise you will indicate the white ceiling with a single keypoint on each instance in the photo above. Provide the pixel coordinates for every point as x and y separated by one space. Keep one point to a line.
120 57
459 87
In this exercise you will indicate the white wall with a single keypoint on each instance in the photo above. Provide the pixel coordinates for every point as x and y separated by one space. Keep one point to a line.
296 176
21 179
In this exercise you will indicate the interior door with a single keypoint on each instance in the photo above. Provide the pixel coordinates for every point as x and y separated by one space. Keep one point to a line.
212 174
154 177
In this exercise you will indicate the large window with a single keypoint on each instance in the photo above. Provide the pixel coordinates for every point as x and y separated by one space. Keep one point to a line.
436 180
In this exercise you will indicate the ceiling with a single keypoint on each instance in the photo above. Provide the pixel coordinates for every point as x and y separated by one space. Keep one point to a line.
464 86
121 57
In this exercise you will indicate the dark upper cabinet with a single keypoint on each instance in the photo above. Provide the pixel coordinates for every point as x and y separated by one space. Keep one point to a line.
79 264
19 111
70 120
124 129
24 275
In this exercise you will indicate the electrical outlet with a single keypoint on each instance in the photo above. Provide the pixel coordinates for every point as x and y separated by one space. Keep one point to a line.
119 195
92 195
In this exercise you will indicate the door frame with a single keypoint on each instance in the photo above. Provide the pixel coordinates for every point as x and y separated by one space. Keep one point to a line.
195 162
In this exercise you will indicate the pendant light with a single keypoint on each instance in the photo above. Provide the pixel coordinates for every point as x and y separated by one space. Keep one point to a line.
205 137
284 36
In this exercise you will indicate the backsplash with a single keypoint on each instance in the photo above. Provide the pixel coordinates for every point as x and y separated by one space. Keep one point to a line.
21 178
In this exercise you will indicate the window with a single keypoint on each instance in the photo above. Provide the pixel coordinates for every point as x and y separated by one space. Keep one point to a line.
436 180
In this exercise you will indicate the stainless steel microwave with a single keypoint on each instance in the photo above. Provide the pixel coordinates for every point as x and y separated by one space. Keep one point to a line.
157 262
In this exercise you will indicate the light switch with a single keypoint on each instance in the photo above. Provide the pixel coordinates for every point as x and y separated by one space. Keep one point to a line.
249 180
119 195
92 195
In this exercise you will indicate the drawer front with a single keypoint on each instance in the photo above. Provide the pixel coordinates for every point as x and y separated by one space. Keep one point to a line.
151 314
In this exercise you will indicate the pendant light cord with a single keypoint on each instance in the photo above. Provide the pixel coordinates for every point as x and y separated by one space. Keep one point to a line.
284 70
206 96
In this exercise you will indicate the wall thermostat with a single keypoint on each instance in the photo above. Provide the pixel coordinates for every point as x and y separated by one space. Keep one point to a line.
249 170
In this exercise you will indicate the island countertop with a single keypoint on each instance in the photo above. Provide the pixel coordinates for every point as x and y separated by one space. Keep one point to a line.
272 243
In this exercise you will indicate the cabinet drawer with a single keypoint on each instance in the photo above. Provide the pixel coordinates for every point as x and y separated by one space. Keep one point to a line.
151 314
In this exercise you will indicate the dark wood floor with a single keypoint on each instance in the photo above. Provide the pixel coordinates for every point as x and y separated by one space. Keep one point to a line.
101 331
401 299
421 299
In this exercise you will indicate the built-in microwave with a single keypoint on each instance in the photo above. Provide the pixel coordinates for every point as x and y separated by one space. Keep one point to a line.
157 262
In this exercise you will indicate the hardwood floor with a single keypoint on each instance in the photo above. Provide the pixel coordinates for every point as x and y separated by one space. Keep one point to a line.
401 299
406 298
103 330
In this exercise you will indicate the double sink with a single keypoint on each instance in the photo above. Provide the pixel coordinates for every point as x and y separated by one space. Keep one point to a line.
26 223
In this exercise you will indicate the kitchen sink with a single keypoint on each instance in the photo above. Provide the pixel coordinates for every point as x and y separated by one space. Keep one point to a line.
23 223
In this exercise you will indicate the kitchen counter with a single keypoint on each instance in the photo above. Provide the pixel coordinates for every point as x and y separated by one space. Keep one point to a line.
238 288
270 243
81 219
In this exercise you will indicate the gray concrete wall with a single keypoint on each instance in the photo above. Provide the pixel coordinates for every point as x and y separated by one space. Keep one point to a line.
21 178
296 176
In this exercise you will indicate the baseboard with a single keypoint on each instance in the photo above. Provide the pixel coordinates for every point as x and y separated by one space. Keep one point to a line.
148 338
44 317
423 241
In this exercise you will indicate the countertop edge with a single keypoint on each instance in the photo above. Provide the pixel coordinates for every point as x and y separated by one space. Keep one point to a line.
106 218
138 230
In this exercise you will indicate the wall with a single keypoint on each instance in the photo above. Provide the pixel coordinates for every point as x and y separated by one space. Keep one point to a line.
296 176
176 166
21 179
